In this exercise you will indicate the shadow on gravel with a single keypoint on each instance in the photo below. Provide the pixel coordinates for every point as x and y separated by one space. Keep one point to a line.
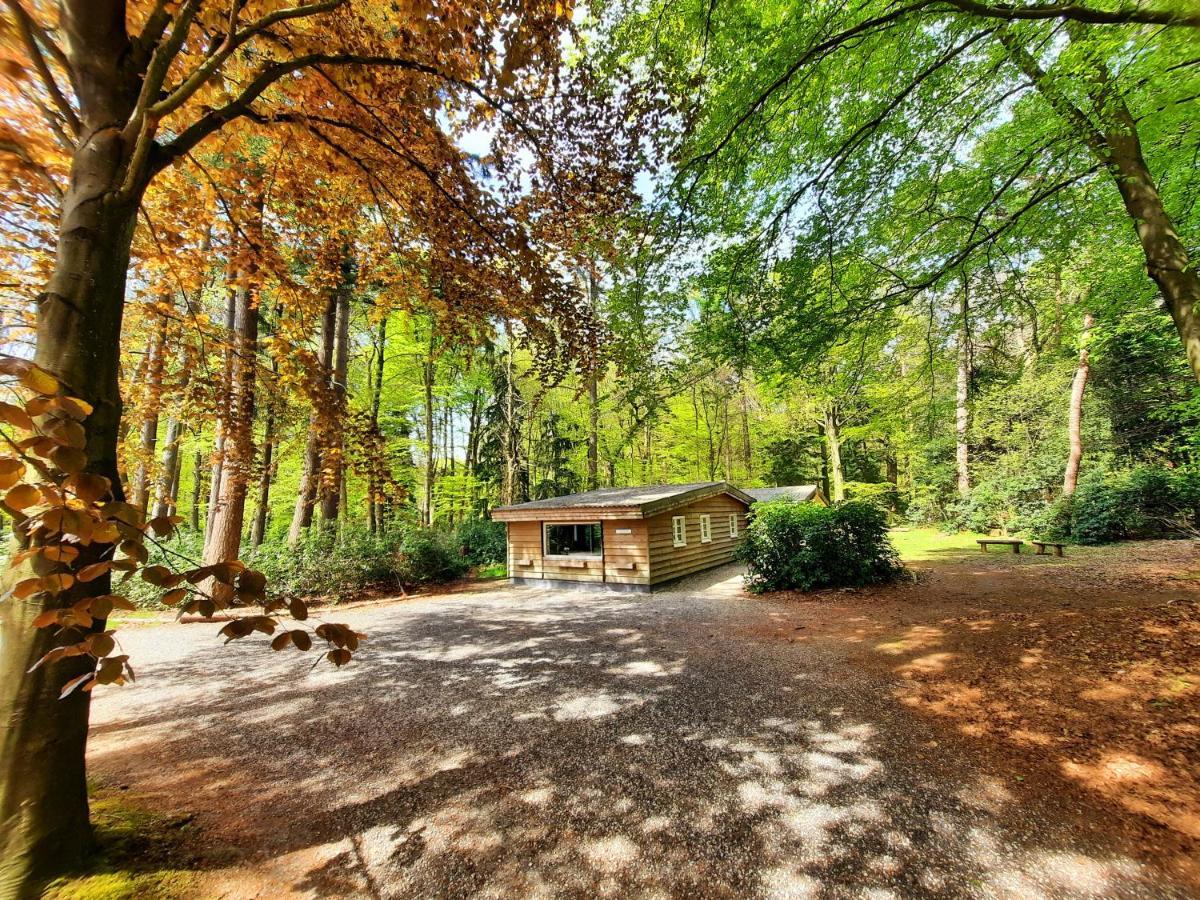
526 743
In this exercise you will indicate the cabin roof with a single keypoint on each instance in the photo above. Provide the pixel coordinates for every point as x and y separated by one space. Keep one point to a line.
796 492
627 502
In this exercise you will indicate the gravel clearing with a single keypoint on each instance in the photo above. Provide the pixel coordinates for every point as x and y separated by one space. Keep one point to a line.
524 742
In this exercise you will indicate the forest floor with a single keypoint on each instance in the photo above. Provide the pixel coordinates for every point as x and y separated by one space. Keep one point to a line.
1000 726
1082 671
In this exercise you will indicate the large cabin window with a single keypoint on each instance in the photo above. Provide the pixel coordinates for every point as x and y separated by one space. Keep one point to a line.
574 540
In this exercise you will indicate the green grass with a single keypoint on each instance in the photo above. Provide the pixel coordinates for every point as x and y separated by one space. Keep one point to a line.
492 570
923 544
140 854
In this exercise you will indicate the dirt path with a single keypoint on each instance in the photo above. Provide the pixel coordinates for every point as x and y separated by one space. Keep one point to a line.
522 742
1077 677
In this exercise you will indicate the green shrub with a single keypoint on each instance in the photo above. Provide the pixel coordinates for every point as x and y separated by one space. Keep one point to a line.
429 557
337 565
482 541
1145 502
803 546
1050 523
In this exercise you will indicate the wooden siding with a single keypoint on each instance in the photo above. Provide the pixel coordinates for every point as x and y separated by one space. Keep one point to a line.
621 551
525 542
668 561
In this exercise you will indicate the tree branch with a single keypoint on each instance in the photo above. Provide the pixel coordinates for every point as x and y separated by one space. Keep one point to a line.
186 140
1123 15
31 33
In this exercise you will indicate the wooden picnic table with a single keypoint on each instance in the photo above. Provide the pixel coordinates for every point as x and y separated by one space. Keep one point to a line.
1015 543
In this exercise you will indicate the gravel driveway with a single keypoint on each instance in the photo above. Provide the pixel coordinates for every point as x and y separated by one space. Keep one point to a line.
525 742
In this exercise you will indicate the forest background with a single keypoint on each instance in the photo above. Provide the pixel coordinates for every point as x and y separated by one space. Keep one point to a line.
899 265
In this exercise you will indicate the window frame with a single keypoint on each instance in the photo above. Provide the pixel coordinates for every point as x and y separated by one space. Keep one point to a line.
679 539
546 554
733 525
705 528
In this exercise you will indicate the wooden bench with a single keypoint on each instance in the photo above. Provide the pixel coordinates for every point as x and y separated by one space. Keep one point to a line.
1015 543
1042 545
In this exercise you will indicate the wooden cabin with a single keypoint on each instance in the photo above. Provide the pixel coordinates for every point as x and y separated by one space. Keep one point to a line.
625 538
795 493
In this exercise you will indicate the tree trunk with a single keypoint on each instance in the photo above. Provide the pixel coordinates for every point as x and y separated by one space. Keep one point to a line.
1115 142
1075 414
225 534
334 463
510 436
373 487
427 375
44 826
169 476
156 365
258 530
962 397
223 416
197 476
833 441
1167 259
310 478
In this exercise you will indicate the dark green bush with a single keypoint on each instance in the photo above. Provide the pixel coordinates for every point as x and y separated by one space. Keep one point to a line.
482 541
1050 523
429 557
802 546
337 565
1145 502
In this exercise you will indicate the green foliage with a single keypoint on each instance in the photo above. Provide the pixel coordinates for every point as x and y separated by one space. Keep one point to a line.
1143 502
482 541
336 565
429 557
802 546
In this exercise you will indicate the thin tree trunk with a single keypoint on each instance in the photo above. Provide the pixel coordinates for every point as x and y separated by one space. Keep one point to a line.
259 529
1075 414
224 408
156 364
373 487
962 398
310 478
334 462
169 476
510 436
197 480
427 375
593 434
833 442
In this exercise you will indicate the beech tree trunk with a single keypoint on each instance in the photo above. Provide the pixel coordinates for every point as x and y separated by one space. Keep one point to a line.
1075 414
197 480
225 535
374 509
44 824
427 375
155 366
224 411
833 442
258 530
333 465
310 478
510 437
168 481
962 397
1111 134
